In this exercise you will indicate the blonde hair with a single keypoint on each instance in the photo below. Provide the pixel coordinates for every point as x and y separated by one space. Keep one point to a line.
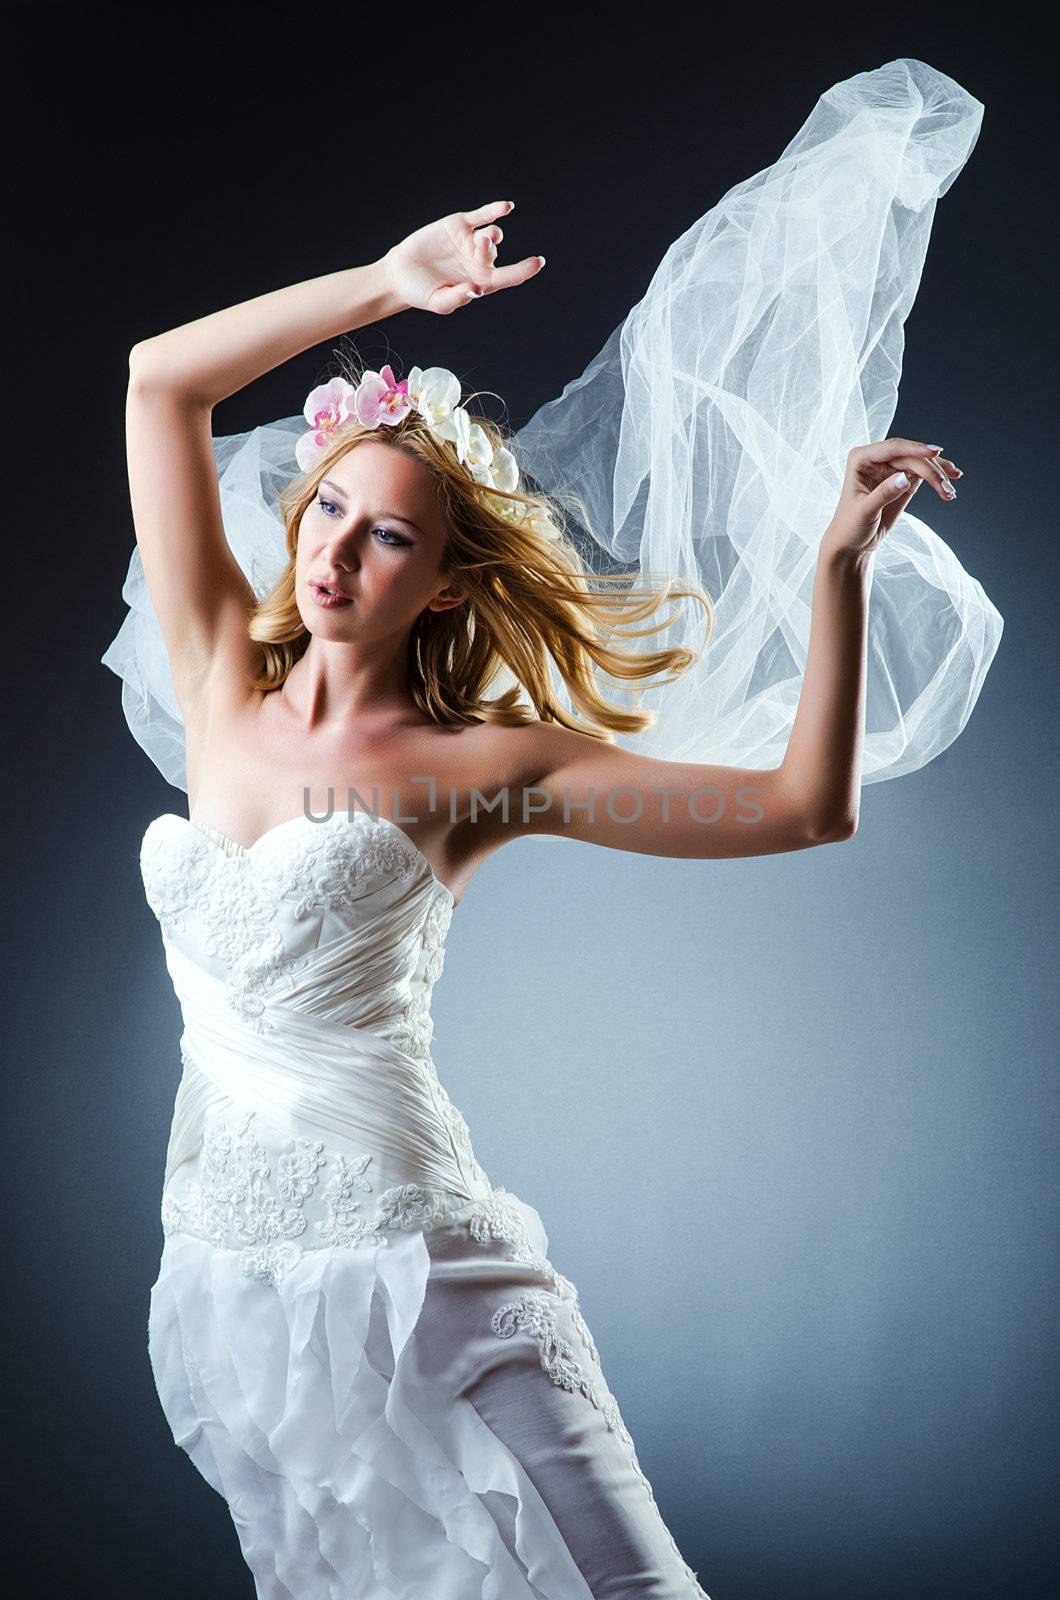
530 597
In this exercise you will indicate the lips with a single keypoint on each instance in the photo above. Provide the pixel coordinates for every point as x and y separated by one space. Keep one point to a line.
324 595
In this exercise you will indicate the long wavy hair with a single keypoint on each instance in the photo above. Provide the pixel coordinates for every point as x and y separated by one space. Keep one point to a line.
531 597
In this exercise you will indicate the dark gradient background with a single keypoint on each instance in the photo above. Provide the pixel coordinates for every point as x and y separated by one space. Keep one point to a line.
790 1122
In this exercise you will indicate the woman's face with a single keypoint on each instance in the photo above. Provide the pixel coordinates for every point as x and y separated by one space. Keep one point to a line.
373 532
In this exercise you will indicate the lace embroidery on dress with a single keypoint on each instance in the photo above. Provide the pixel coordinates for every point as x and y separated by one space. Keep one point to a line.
344 1225
497 1218
344 857
174 882
232 1205
240 916
411 1206
236 901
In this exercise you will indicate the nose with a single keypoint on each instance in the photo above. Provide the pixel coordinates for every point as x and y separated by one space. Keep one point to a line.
342 552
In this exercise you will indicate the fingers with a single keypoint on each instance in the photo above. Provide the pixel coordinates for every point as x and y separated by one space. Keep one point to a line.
887 447
488 234
486 245
445 301
931 473
487 213
505 277
925 460
488 276
891 493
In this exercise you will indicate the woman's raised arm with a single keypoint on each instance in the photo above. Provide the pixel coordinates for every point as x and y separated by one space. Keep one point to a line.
207 360
614 797
197 588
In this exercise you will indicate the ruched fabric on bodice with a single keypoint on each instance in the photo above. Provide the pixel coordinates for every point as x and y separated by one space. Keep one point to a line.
304 966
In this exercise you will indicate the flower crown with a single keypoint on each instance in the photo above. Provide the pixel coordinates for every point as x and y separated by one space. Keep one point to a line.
378 399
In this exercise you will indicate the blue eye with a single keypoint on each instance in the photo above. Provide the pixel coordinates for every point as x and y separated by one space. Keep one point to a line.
393 539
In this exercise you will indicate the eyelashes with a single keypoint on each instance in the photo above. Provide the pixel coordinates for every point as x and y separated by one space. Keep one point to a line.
394 540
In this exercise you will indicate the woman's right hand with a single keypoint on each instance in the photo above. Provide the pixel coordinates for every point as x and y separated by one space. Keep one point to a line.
873 494
449 263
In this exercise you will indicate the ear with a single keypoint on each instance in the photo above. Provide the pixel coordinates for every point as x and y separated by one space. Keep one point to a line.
447 598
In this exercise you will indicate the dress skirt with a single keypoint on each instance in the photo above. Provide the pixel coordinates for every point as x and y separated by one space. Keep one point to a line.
424 1418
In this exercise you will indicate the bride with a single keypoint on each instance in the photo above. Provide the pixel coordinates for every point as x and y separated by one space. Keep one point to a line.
358 1339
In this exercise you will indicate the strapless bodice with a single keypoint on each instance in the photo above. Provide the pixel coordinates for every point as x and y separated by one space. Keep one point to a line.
342 918
304 965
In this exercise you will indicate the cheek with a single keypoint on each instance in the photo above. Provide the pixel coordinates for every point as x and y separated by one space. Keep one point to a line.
392 585
307 552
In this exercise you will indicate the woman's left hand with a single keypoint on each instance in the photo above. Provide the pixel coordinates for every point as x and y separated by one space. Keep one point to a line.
449 263
871 500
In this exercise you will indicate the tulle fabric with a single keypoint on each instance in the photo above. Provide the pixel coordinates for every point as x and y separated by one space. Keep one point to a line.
708 440
709 437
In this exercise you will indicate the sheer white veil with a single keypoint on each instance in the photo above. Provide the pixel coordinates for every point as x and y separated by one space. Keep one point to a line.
708 440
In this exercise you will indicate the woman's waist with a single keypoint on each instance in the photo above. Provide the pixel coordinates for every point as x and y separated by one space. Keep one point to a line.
258 1183
356 1083
312 1163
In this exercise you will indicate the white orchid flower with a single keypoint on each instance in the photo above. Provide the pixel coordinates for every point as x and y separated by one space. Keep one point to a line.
504 469
437 394
479 454
543 525
457 428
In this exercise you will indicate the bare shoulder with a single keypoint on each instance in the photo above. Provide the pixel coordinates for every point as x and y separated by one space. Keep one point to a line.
523 753
534 753
551 747
502 769
518 757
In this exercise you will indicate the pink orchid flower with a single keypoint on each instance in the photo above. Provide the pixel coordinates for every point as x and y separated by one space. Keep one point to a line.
327 407
381 398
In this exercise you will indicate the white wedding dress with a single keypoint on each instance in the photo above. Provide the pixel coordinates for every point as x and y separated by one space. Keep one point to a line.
358 1340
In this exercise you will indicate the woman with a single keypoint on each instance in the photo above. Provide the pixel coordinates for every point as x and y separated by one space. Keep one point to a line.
357 1338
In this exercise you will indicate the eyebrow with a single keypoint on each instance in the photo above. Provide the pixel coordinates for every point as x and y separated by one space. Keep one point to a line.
336 488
